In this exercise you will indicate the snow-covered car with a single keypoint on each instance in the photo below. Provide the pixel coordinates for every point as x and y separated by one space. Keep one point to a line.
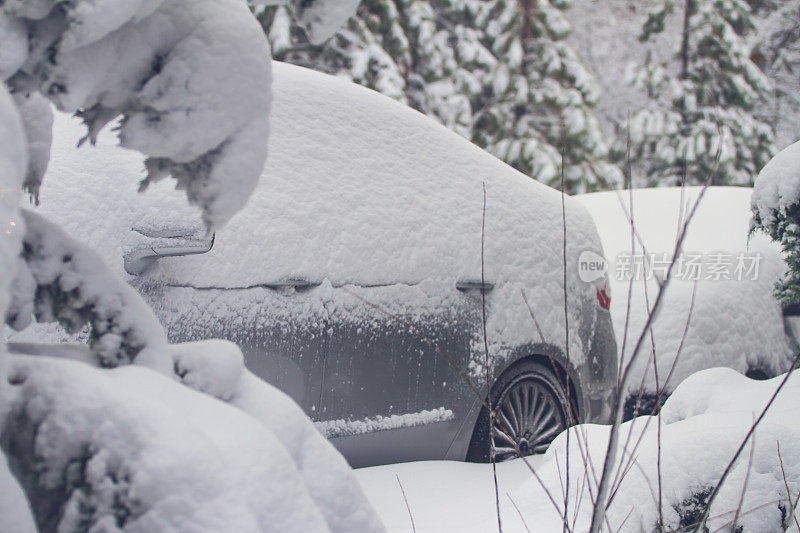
719 309
379 258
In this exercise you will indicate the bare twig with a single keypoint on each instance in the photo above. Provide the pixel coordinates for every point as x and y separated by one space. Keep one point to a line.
570 418
525 524
408 507
533 317
492 457
547 492
633 251
744 486
625 520
788 492
727 525
600 508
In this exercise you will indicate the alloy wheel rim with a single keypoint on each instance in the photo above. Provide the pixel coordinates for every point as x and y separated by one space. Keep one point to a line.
528 417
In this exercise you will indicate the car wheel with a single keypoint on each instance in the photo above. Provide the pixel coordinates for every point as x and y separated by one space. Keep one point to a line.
530 411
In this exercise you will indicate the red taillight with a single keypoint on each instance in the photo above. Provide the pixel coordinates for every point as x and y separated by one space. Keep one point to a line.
603 298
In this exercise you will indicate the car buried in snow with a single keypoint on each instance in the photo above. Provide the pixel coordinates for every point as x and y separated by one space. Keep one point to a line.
380 265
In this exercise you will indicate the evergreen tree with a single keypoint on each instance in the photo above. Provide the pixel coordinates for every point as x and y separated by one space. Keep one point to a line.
495 71
702 102
422 53
777 53
538 104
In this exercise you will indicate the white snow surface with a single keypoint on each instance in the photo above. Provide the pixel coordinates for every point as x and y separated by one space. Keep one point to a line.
778 185
15 515
346 428
444 496
357 189
703 423
734 323
196 465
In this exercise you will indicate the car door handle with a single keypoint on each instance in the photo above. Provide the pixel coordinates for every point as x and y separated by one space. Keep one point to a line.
471 285
292 283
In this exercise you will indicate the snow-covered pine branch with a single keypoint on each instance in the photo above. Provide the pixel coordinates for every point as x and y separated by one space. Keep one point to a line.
776 212
63 281
189 78
320 18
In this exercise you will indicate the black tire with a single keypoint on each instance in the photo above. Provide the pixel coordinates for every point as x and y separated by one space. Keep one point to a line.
530 409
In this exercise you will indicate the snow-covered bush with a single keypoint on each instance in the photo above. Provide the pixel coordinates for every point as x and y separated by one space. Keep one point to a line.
15 517
130 450
190 79
63 281
124 448
776 212
703 423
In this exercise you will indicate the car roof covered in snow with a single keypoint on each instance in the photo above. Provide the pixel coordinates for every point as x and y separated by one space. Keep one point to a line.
358 188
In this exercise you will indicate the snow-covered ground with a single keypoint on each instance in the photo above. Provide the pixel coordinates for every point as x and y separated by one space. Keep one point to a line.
442 495
703 423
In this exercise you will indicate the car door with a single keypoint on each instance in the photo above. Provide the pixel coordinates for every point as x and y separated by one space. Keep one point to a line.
390 391
280 330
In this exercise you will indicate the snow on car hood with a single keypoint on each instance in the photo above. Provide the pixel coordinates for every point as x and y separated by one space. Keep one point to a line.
357 188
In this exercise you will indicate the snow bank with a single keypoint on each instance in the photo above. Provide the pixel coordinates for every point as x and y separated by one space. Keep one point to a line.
383 195
15 515
190 78
327 475
216 367
130 462
735 322
778 186
704 422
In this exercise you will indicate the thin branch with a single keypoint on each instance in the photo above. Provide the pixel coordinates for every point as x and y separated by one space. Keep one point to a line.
408 507
525 524
599 510
744 486
533 317
570 418
492 457
788 492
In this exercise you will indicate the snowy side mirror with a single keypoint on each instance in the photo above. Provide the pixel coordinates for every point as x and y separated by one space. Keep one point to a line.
168 243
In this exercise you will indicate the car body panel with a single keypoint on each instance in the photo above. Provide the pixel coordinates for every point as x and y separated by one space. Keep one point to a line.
352 278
